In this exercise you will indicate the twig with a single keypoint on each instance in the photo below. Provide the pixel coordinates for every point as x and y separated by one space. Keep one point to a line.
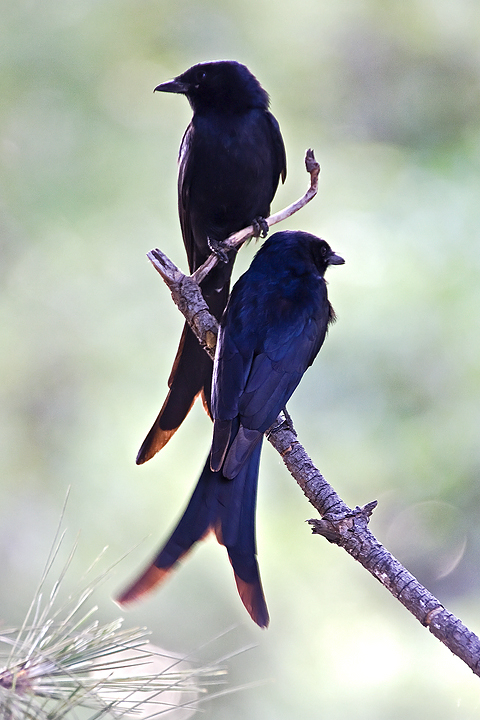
339 524
349 529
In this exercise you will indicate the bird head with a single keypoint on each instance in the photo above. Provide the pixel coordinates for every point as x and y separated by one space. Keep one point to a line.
323 255
223 85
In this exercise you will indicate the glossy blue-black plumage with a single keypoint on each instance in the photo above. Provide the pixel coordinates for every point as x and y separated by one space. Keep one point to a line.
231 160
273 326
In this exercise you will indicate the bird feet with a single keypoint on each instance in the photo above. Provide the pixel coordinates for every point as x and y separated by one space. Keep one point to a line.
260 227
282 422
216 247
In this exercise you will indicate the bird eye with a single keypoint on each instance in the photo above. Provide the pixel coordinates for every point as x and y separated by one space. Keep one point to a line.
200 75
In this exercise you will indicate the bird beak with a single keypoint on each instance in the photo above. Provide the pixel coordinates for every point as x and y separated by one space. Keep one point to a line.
335 259
173 86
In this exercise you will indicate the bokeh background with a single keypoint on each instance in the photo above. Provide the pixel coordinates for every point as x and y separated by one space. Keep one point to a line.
388 95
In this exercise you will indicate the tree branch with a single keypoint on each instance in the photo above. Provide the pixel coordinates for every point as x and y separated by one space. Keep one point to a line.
339 524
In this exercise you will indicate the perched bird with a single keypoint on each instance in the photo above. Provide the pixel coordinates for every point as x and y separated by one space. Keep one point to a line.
231 159
273 326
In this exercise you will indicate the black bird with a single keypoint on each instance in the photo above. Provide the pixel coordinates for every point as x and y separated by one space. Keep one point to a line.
272 329
231 159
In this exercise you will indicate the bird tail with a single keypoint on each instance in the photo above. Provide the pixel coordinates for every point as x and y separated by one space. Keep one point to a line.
191 373
228 508
238 536
191 376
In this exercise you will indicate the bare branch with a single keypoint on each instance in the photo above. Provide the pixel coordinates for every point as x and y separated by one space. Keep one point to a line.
187 296
339 524
349 529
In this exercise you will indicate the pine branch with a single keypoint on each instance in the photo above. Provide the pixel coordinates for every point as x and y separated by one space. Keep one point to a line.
62 659
339 524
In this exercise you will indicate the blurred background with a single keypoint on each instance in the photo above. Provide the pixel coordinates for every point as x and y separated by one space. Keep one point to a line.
387 94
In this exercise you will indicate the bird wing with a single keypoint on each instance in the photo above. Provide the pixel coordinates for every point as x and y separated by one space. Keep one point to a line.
255 383
276 371
234 357
185 173
278 150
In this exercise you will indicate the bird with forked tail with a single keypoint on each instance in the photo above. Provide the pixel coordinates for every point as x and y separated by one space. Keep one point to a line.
231 159
273 326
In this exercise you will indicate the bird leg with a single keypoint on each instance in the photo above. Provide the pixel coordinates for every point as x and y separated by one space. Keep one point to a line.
260 227
216 246
283 422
